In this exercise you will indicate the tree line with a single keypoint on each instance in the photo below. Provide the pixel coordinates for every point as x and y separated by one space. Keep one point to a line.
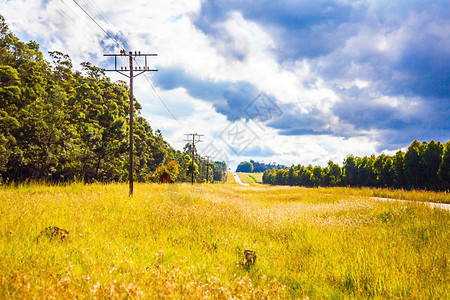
424 165
257 167
60 124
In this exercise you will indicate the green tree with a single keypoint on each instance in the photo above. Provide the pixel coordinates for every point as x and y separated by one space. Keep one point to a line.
192 167
431 158
10 93
414 165
366 172
245 166
387 172
317 176
399 169
333 176
219 170
444 168
350 171
173 169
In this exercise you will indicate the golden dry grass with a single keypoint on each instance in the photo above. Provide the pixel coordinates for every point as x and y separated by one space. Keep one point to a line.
183 241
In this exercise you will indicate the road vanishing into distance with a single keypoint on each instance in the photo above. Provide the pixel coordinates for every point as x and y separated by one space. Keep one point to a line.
238 179
444 206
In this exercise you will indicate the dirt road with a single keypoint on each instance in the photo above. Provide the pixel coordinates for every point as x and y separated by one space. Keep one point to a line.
238 180
431 204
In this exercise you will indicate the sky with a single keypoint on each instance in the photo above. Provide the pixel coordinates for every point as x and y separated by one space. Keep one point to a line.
291 82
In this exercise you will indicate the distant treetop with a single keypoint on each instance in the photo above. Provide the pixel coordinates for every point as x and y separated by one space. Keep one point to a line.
258 167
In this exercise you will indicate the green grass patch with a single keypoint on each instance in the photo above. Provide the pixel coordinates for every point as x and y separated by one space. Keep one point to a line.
251 177
174 241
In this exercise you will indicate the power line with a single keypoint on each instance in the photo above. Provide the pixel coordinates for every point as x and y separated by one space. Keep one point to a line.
107 33
90 5
161 100
198 140
152 85
70 19
95 13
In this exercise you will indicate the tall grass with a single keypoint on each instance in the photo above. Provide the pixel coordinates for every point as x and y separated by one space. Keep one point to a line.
188 241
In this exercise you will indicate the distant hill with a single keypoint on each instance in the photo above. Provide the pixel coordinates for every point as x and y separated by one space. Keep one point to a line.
258 167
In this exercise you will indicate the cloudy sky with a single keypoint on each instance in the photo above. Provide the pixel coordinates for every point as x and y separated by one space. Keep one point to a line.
275 81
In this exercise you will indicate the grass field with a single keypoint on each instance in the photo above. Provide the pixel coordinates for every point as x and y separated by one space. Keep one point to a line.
251 177
177 241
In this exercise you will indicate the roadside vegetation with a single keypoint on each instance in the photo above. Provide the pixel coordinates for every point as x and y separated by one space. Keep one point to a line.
181 240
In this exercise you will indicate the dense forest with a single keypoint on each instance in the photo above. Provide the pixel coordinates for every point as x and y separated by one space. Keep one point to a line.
60 124
423 166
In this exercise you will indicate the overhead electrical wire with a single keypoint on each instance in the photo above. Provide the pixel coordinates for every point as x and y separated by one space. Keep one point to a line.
95 13
152 85
90 6
106 32
150 81
69 18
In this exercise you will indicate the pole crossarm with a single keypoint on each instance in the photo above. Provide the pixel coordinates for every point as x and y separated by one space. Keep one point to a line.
193 135
139 70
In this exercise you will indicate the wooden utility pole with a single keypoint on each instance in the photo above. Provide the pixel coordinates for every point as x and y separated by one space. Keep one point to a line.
207 168
194 135
123 70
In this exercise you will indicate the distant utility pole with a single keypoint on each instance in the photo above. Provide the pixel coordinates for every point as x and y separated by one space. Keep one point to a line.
207 167
194 136
139 70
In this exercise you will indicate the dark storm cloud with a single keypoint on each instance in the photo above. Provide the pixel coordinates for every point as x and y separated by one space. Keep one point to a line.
297 122
425 64
228 98
300 28
416 62
397 125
